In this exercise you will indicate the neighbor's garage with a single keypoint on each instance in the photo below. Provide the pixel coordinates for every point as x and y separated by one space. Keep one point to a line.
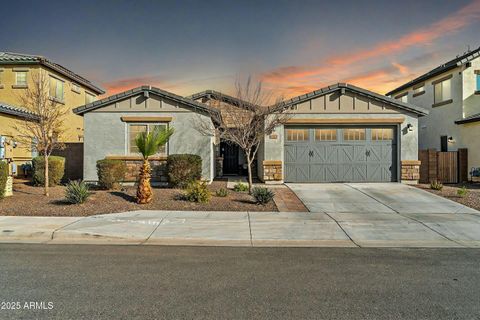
340 154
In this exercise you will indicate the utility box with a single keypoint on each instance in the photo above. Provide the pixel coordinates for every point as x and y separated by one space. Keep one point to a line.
9 187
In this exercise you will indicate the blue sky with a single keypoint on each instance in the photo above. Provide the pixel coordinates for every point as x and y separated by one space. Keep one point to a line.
292 46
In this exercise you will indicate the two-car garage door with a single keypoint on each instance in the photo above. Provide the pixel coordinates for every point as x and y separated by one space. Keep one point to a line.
340 154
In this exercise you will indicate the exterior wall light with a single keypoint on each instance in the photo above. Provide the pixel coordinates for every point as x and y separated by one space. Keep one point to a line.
410 127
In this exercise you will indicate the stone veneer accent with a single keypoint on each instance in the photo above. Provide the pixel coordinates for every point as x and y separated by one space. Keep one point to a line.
158 165
410 171
272 170
219 166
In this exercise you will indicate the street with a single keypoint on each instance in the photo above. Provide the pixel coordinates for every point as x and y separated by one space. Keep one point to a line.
142 282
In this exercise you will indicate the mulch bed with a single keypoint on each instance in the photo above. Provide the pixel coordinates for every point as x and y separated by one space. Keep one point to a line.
449 191
28 200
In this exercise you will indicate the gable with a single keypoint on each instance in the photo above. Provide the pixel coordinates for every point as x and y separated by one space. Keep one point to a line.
140 103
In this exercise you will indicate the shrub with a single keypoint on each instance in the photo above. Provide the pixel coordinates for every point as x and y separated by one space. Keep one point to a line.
222 192
3 177
56 170
462 192
262 195
435 185
197 191
183 169
76 192
110 173
240 187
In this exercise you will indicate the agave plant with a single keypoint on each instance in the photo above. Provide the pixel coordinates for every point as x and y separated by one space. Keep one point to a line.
148 145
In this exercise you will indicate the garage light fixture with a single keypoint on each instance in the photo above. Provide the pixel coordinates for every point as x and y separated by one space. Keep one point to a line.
410 127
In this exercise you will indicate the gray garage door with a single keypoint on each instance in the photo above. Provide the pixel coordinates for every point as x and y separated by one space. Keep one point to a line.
341 154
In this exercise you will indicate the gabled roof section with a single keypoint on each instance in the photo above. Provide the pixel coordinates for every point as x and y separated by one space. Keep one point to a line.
219 96
139 90
20 58
452 64
17 111
469 119
344 87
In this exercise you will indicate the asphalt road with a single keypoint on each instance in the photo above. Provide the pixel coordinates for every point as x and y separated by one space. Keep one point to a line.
132 282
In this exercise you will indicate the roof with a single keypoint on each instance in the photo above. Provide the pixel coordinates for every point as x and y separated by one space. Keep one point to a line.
472 118
219 96
452 64
133 92
343 87
16 111
19 58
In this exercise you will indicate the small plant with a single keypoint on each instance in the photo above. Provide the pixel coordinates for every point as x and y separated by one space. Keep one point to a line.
183 169
197 191
76 192
240 187
435 185
222 192
111 173
262 195
462 192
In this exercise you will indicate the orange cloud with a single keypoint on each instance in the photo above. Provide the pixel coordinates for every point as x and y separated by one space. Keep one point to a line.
121 85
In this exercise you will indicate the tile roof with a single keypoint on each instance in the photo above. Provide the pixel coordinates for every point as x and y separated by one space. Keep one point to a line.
143 89
16 111
472 118
348 87
19 58
458 61
217 95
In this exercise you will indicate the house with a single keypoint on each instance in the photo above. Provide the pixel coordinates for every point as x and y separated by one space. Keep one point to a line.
451 92
66 87
340 133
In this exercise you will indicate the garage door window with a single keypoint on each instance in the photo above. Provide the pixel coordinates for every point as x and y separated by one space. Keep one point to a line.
353 134
382 134
325 134
297 134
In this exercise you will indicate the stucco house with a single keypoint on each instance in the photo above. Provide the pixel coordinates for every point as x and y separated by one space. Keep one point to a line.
451 92
338 133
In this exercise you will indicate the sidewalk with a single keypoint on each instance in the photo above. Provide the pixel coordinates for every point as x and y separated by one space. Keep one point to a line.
249 229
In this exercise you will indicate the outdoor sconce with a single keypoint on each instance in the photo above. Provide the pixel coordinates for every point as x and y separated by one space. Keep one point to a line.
451 140
410 127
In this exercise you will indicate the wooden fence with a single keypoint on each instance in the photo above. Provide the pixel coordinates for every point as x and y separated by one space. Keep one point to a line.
73 154
445 167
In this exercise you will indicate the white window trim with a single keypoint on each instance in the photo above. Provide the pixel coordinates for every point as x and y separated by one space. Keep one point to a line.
23 85
127 136
62 101
74 86
91 94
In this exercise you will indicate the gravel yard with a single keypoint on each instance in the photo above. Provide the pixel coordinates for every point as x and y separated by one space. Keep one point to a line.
449 191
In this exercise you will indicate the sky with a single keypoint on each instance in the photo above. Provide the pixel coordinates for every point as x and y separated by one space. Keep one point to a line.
291 47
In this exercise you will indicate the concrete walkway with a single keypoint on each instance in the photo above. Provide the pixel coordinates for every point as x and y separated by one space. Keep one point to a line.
332 229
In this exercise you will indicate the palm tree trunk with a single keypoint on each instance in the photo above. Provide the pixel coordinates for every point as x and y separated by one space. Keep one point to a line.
144 190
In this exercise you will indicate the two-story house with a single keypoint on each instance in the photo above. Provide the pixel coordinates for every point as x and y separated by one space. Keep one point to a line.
451 92
66 87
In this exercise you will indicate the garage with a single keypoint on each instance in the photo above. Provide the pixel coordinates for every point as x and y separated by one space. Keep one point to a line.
341 153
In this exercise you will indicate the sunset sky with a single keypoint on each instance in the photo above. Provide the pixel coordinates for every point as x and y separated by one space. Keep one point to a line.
293 47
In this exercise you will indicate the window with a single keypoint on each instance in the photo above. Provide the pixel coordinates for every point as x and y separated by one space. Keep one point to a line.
89 98
443 91
477 76
56 89
353 134
21 78
325 134
420 89
298 134
1 75
75 88
382 134
135 128
402 97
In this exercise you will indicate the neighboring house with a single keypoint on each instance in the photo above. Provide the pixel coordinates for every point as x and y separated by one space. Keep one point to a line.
111 125
68 88
451 92
340 133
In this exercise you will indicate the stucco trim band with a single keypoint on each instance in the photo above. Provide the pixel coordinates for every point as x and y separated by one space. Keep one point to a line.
272 162
347 121
147 119
411 162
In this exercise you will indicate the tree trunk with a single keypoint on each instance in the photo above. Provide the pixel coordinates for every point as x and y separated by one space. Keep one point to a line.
46 175
249 167
144 189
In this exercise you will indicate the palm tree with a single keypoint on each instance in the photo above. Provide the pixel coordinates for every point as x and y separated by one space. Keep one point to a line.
148 145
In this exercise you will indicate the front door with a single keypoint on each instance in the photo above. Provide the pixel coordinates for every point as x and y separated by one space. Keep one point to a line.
230 158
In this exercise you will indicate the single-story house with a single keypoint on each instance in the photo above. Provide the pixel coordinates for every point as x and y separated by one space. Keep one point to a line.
340 133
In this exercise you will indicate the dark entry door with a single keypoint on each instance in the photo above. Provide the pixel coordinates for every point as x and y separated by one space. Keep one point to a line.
230 158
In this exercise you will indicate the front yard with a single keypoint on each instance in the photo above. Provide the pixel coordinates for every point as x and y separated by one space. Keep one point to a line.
28 200
470 199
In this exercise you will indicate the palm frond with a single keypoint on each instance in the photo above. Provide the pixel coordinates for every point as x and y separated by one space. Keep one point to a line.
149 143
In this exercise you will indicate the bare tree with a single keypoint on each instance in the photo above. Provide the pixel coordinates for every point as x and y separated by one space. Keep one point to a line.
245 119
45 127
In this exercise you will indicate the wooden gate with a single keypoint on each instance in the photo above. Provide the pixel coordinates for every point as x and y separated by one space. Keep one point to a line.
445 167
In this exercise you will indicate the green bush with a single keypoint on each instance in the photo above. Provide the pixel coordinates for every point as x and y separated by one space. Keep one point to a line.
222 192
183 169
3 177
56 170
435 185
76 192
197 191
462 192
240 187
110 173
262 195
